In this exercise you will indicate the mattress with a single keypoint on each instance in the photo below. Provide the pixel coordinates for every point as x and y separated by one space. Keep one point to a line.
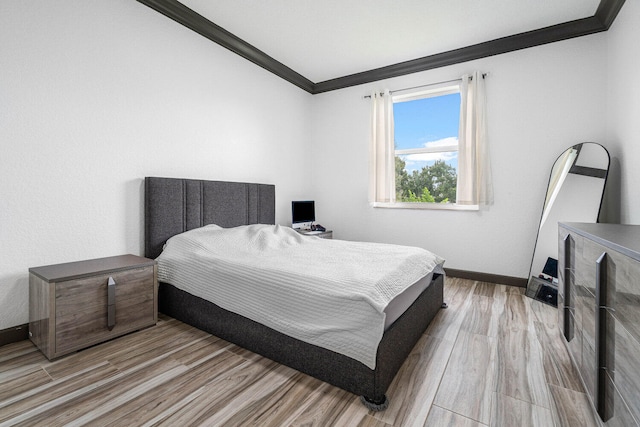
329 293
402 301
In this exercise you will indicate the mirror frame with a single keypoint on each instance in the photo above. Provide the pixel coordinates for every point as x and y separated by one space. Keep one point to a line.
532 287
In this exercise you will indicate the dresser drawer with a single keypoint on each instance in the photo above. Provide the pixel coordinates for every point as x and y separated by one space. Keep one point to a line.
623 351
617 413
562 312
586 311
623 292
575 344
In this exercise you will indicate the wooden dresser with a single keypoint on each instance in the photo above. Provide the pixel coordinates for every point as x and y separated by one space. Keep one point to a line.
599 314
79 304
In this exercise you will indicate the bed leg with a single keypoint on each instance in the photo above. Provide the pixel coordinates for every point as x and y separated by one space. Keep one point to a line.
375 405
444 305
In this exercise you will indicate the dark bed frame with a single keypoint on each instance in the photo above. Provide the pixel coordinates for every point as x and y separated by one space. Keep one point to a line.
174 205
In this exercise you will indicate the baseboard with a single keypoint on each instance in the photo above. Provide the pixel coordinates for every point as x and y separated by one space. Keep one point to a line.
14 334
487 277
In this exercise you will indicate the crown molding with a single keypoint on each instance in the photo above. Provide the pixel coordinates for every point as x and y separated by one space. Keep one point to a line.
608 11
601 21
512 43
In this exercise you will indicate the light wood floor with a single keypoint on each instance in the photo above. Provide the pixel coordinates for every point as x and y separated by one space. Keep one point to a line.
494 357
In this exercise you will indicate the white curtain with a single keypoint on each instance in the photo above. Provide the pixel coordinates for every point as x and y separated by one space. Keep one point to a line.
382 182
474 168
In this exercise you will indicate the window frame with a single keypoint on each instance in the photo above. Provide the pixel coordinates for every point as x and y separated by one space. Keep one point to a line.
414 95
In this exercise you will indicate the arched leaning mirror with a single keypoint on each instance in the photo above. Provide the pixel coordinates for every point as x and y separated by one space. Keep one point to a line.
574 194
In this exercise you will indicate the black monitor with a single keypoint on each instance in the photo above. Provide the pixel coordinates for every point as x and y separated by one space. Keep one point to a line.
303 213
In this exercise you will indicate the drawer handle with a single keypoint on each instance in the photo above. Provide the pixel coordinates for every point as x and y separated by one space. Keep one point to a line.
568 325
111 303
601 337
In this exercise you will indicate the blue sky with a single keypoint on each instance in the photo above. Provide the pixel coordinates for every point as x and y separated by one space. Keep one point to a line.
427 120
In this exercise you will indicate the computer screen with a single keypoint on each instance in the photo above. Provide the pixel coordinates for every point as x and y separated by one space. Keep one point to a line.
302 212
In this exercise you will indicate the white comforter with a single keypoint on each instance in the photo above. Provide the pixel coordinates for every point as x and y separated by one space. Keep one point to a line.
330 293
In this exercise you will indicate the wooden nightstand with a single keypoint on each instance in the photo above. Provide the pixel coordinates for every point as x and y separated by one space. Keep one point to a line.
78 304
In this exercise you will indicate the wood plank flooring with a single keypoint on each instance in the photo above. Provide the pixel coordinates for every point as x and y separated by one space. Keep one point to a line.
494 357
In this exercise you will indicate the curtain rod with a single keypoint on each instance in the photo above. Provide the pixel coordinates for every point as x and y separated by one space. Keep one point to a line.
427 85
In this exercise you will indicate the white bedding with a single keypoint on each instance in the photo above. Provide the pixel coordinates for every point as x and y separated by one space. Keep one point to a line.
330 293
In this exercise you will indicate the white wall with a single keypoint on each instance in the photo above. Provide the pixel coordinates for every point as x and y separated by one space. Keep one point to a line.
540 101
623 110
96 95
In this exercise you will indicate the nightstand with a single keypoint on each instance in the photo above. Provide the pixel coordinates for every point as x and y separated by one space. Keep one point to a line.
323 234
78 304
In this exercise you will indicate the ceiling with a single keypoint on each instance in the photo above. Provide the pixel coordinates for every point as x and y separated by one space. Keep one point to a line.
324 45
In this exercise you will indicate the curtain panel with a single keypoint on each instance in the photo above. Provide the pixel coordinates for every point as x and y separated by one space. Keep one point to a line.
382 183
475 185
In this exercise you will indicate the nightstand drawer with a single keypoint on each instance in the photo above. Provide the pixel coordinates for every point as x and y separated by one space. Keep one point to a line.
82 308
75 305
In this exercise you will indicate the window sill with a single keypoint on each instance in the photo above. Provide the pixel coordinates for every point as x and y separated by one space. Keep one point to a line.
427 206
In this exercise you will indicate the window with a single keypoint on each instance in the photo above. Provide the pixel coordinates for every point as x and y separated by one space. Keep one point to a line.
426 128
429 149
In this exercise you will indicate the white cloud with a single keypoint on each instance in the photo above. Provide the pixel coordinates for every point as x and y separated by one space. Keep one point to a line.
451 140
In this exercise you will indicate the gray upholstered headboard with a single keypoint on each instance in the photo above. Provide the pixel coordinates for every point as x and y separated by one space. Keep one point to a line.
175 205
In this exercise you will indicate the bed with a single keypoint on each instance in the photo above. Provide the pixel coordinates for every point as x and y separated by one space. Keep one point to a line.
174 206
